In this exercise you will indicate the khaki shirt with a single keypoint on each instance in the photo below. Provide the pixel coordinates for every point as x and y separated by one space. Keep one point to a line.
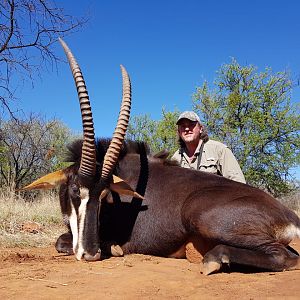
216 158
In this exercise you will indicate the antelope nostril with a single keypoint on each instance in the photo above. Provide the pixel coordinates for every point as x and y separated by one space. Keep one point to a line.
89 257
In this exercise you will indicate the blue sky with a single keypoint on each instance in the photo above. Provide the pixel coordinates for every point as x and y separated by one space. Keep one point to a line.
168 48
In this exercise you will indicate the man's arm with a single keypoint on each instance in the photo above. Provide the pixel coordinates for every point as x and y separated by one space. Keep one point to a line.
230 167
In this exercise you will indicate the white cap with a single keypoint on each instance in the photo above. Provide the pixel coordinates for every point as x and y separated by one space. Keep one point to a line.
190 115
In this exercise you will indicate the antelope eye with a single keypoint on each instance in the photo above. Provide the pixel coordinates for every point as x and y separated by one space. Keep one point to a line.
74 188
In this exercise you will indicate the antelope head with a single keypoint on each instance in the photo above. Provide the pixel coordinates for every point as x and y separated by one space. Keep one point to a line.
83 187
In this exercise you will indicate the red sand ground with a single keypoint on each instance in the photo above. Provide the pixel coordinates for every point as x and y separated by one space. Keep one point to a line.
41 273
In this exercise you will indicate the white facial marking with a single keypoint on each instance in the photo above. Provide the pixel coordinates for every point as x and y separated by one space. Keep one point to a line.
74 227
84 195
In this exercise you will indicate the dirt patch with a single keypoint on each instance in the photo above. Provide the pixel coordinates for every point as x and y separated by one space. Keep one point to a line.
31 227
41 273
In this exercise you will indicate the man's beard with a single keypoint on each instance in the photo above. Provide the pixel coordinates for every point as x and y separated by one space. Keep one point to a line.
190 139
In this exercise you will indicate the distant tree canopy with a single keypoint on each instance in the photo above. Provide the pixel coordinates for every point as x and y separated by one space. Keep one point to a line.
249 111
28 30
159 134
252 113
30 148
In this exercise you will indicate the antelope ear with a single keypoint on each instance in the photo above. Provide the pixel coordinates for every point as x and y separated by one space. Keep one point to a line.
121 187
48 181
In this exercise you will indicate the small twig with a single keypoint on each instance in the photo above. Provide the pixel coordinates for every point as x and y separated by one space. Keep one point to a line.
50 281
100 273
116 265
111 267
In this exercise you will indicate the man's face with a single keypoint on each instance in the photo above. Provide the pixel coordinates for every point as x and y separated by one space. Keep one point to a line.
189 131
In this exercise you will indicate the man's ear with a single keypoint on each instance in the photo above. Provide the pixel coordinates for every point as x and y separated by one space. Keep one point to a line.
121 187
48 181
200 127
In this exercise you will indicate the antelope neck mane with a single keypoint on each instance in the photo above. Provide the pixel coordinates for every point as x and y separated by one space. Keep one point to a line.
129 147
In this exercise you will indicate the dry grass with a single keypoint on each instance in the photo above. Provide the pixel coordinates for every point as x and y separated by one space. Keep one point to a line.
29 223
292 201
39 222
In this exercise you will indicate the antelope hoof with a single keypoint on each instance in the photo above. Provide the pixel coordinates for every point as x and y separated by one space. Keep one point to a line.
210 267
116 250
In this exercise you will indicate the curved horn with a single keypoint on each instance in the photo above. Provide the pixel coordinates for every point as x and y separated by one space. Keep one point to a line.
88 155
113 151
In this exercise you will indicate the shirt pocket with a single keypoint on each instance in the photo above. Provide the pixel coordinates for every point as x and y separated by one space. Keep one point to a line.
209 165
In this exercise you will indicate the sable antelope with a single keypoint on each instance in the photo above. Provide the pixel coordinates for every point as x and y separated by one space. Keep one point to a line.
228 222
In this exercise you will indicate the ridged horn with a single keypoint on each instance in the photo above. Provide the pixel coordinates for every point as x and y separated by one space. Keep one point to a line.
115 146
88 155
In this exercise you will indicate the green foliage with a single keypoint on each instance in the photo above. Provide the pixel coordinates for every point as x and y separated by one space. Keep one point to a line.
30 148
252 113
249 111
159 134
141 128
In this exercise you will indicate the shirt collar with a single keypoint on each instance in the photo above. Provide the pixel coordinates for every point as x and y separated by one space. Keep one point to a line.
197 152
